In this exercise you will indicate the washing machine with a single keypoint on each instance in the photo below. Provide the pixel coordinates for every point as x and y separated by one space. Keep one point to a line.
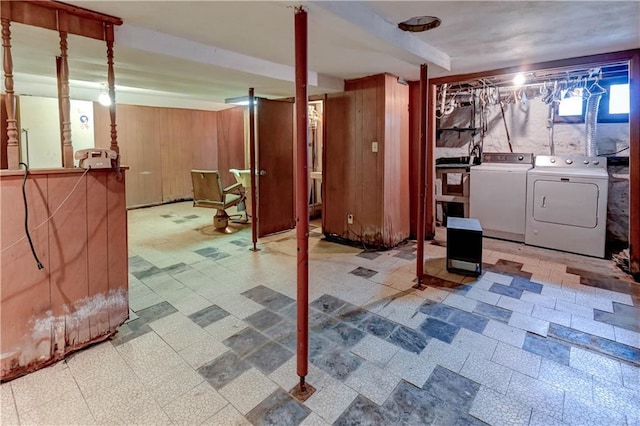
567 204
498 194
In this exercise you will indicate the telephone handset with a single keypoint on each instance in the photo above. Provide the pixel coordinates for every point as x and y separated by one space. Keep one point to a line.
96 158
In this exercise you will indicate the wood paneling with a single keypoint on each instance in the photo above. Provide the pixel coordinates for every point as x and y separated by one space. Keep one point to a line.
3 133
161 146
373 186
48 313
414 141
396 159
634 163
230 131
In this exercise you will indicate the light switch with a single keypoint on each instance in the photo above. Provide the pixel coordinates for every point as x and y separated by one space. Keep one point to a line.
374 146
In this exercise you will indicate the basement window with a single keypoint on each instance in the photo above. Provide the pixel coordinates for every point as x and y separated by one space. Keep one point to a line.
614 105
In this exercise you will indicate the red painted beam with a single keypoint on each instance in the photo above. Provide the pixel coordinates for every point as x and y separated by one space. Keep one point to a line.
302 193
422 160
252 166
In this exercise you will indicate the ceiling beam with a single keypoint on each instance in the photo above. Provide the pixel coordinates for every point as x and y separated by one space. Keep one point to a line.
358 14
165 44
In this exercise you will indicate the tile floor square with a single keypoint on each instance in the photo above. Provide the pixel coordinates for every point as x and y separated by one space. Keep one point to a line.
208 316
363 272
245 341
269 357
223 369
279 408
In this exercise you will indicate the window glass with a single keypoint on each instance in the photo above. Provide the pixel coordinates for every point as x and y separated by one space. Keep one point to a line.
619 99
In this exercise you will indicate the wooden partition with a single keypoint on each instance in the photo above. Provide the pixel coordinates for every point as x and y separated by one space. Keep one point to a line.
161 146
80 296
414 141
371 186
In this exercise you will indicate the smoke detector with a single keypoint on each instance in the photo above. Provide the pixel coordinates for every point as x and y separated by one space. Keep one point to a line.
418 24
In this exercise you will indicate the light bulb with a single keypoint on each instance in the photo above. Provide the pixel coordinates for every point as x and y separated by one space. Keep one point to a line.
104 99
519 79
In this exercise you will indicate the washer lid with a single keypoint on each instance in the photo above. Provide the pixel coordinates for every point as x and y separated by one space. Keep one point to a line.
501 167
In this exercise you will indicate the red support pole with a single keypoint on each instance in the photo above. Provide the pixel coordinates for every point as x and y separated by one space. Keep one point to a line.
302 192
252 166
422 163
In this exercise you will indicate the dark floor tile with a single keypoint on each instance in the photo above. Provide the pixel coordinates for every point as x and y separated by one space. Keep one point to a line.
279 409
617 350
146 273
269 357
439 329
344 334
208 315
438 282
435 309
493 312
223 369
126 333
363 272
206 251
408 339
337 362
319 322
327 303
378 326
318 346
509 264
524 284
219 255
285 333
192 216
409 405
137 264
409 247
263 319
245 341
243 242
569 335
405 255
468 320
176 269
351 314
155 312
506 290
268 298
451 388
166 216
179 221
363 412
290 311
547 348
624 316
371 255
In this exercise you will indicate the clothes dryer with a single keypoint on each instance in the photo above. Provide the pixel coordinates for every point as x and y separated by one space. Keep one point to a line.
567 204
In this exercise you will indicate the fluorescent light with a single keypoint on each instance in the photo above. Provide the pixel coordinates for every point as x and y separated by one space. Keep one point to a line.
241 100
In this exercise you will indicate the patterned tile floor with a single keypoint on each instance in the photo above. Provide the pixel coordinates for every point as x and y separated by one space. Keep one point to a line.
541 338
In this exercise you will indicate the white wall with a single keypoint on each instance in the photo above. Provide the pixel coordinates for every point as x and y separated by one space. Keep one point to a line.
39 117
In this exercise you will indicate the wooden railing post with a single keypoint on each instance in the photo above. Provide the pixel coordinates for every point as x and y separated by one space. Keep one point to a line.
63 81
111 81
13 152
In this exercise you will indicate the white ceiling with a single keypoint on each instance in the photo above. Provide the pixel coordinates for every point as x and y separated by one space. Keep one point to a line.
171 50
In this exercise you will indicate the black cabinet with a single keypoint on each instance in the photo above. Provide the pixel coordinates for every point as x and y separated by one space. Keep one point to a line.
464 246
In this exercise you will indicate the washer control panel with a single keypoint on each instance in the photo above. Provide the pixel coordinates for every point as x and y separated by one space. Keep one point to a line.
572 161
508 157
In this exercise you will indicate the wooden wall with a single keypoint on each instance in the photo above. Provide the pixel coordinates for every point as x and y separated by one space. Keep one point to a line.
230 143
80 296
373 186
414 142
161 146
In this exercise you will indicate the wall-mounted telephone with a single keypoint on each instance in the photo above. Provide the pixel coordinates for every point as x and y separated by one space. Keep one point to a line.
95 158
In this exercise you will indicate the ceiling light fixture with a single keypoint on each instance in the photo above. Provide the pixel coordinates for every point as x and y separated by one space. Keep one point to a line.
519 79
418 24
241 100
104 99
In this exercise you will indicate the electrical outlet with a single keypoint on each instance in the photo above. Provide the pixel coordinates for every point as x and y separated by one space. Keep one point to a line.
374 146
350 219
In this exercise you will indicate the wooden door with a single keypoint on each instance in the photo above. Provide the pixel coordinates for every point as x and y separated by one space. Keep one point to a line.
275 162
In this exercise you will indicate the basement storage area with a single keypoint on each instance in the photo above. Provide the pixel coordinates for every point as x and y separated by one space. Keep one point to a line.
575 122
